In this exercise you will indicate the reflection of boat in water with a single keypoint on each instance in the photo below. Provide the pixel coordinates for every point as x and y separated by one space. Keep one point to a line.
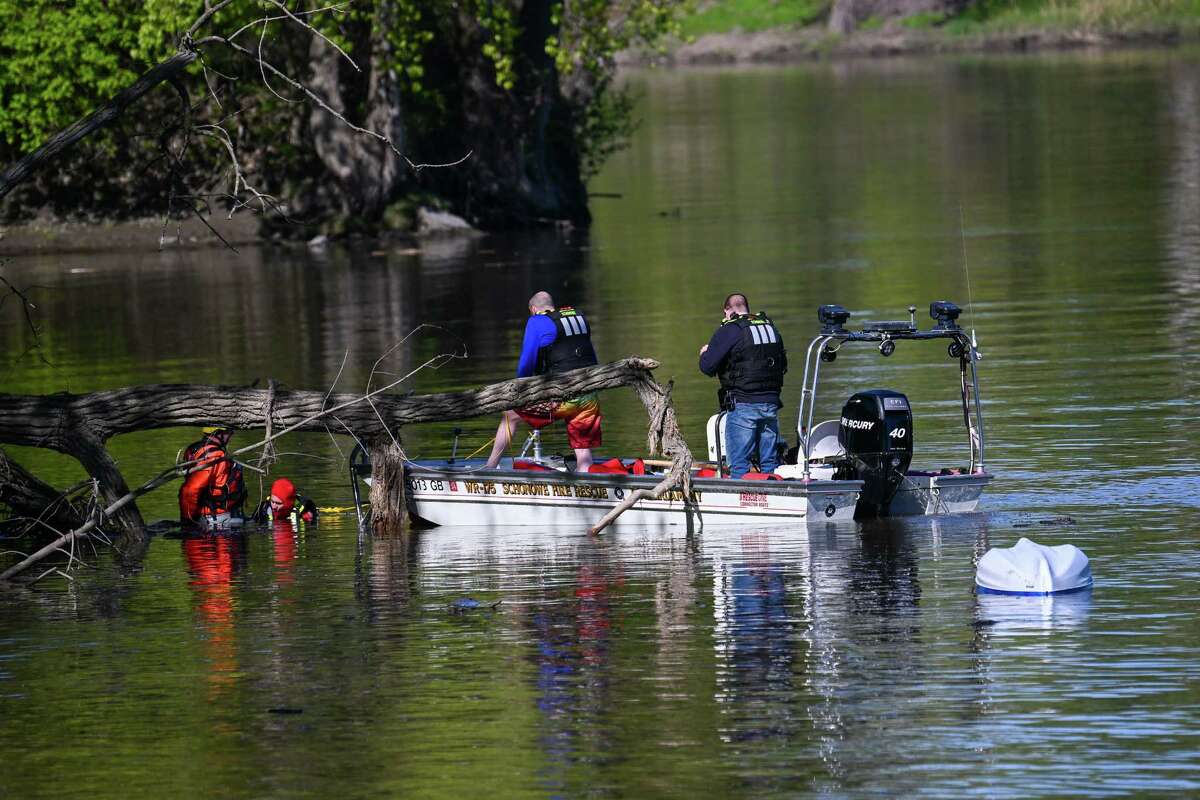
858 464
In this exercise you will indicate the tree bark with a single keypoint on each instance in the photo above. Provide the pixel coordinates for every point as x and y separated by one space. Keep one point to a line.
53 421
365 169
62 141
842 18
389 504
91 453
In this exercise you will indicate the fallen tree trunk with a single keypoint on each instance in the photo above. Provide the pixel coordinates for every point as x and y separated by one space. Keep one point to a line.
80 424
27 497
54 421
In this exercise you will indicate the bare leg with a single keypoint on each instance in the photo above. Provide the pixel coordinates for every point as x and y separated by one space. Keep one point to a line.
504 433
583 459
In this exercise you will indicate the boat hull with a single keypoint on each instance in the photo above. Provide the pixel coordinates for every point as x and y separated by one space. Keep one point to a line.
922 495
443 495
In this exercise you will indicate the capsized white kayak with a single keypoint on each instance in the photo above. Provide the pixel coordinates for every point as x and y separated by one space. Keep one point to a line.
1033 569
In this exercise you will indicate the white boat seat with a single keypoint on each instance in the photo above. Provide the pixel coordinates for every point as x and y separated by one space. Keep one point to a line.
823 440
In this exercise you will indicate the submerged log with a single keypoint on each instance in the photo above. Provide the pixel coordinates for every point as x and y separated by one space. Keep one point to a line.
80 424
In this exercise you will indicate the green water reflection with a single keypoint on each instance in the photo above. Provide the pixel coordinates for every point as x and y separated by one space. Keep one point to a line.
1064 189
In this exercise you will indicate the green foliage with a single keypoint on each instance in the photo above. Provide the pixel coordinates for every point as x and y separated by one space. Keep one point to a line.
409 35
923 19
59 60
500 23
722 16
160 22
1002 15
39 93
605 128
592 32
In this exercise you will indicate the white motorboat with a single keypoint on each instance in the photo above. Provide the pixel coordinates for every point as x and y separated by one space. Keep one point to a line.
853 466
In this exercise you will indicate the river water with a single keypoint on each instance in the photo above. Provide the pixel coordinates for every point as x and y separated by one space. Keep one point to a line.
1056 198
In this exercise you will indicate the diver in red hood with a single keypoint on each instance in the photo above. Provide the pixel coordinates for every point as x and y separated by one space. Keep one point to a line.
285 503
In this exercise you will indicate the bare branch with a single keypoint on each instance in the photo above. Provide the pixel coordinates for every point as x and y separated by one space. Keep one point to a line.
27 309
295 17
419 167
209 13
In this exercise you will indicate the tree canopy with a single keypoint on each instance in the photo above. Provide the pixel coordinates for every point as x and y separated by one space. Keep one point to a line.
526 86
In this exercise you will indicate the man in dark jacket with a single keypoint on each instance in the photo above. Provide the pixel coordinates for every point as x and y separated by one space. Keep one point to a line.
746 353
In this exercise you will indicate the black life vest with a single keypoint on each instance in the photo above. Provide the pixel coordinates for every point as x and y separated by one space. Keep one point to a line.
758 361
572 346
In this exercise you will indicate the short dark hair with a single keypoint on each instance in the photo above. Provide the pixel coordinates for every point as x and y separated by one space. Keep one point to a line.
738 302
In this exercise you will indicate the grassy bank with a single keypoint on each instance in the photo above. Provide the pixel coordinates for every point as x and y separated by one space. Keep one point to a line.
998 16
980 18
750 16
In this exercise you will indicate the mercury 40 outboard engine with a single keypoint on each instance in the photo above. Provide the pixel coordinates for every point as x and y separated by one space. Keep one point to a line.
876 432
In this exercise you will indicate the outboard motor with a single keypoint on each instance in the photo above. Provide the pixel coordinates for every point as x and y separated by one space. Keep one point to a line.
876 431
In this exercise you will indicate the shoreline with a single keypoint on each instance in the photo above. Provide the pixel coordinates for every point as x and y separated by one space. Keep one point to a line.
43 236
798 45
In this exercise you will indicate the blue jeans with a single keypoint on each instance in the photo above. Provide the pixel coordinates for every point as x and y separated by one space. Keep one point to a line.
752 429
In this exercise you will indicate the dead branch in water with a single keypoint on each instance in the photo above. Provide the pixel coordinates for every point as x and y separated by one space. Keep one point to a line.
663 437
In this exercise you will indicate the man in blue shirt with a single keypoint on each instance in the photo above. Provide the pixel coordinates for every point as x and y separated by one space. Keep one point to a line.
746 353
556 340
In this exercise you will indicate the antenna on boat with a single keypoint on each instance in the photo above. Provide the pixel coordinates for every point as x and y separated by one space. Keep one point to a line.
962 239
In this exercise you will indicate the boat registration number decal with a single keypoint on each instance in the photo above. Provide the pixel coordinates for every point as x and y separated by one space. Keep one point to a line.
752 500
423 485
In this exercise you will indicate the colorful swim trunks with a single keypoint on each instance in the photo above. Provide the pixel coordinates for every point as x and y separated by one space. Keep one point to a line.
582 415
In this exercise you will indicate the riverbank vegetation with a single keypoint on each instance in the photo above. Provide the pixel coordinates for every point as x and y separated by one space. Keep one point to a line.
321 116
319 121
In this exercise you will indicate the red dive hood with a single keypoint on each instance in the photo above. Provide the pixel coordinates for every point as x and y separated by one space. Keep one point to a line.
285 491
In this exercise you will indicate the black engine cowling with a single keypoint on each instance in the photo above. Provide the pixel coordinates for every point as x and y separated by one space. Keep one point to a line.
876 432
